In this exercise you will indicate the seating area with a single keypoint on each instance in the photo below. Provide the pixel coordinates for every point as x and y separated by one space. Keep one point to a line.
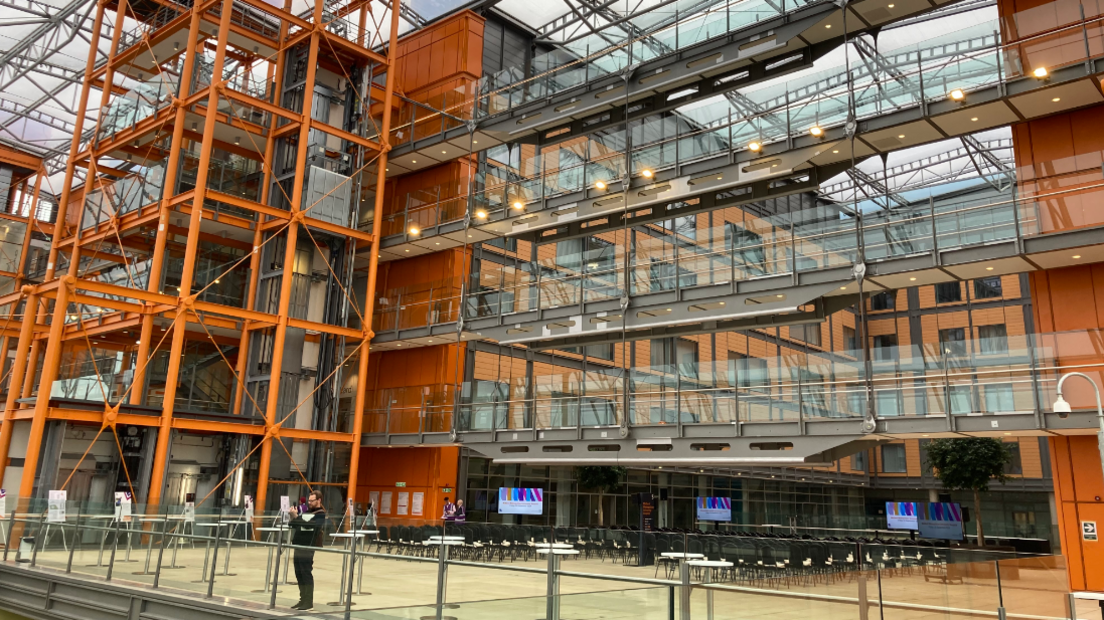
756 558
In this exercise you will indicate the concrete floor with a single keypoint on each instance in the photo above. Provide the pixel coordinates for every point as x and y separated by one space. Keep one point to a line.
406 589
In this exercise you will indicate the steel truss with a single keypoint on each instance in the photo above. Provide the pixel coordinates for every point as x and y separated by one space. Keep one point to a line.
212 163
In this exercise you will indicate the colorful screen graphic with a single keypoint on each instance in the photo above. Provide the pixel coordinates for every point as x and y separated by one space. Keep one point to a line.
714 509
941 520
901 515
520 501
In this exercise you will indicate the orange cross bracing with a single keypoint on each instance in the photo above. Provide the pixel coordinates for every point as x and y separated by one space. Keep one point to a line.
196 173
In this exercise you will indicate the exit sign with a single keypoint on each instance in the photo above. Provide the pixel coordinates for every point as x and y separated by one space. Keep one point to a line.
446 490
400 484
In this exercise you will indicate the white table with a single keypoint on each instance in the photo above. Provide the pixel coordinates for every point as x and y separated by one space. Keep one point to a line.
709 565
347 537
676 555
544 545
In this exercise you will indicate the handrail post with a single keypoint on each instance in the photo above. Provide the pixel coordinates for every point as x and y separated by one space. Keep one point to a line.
76 539
1002 613
214 559
161 551
276 566
114 546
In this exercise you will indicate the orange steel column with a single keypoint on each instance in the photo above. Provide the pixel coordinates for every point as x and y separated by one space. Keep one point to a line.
66 186
54 344
21 346
93 162
289 263
373 260
164 435
158 258
19 277
49 374
276 78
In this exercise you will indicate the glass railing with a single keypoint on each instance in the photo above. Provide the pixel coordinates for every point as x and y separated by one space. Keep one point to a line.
420 567
164 14
145 98
1010 374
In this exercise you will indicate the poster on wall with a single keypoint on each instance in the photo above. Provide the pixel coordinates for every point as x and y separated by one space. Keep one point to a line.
714 509
55 506
123 506
417 504
404 503
373 498
520 501
941 520
385 503
189 508
248 507
901 515
3 503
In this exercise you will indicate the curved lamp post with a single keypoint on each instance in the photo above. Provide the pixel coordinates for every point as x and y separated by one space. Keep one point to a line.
1063 409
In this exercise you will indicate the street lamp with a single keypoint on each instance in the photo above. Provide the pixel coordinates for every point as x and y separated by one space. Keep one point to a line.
1063 409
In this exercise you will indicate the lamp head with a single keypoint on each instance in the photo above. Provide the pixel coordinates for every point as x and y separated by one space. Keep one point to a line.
1062 407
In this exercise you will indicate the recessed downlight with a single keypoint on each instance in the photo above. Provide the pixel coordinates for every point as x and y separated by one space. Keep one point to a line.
988 268
912 279
901 136
973 119
1077 256
1056 99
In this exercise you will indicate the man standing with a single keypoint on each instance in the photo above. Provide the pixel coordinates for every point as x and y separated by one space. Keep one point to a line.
307 531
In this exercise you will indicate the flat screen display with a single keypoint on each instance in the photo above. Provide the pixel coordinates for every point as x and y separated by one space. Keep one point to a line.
901 515
520 501
714 509
941 520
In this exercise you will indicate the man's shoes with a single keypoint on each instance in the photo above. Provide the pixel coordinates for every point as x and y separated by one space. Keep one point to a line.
307 607
298 605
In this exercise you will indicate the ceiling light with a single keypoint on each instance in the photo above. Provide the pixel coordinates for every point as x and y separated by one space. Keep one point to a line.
599 185
475 141
957 94
912 279
481 214
974 119
988 268
443 152
816 131
836 151
413 161
1077 256
519 204
414 230
891 5
901 136
720 178
1056 99
1040 72
843 288
647 174
237 141
755 146
827 25
780 295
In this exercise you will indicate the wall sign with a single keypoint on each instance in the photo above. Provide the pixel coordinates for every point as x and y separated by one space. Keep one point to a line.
1089 531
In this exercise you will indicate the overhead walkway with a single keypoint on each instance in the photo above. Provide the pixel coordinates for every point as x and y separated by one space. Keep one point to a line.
774 268
657 60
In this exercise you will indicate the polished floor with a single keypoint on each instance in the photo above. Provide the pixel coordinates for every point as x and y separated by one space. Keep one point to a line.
1031 589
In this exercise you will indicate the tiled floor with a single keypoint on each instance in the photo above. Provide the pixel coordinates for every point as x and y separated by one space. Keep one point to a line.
395 582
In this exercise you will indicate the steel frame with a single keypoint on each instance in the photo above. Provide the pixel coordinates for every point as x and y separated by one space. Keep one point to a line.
56 321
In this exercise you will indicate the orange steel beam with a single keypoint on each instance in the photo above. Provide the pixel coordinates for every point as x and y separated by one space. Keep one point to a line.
19 366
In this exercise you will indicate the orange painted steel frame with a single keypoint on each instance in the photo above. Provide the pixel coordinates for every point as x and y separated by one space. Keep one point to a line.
43 333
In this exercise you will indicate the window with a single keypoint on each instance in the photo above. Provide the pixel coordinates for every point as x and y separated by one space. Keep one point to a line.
948 292
893 459
885 347
886 300
509 244
809 333
998 398
666 353
987 288
858 461
952 341
850 343
993 339
747 249
594 351
661 274
744 371
569 254
1015 466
